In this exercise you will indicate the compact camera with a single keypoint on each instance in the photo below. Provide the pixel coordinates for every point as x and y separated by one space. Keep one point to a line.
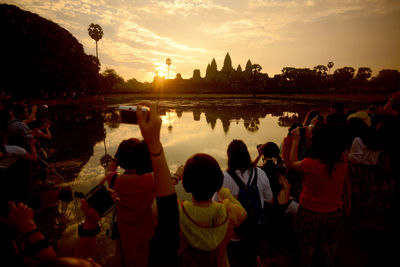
100 199
128 114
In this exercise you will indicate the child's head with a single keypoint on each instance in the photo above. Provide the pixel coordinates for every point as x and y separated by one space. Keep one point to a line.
202 176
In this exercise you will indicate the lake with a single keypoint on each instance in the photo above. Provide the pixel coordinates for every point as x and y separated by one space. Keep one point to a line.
203 125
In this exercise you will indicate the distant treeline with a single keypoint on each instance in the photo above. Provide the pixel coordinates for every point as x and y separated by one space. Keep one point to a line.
251 80
41 58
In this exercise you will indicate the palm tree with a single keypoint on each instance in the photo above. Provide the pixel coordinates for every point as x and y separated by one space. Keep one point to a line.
96 33
168 62
256 69
330 65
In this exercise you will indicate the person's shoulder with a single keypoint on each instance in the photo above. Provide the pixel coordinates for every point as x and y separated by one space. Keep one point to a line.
261 175
260 171
227 176
308 161
14 149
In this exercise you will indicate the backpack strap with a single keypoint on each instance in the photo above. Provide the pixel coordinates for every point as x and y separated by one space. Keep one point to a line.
237 180
250 177
255 176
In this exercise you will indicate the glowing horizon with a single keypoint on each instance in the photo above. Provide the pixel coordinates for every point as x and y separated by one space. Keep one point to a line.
140 35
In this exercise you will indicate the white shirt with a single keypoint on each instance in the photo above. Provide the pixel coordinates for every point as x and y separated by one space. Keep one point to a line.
262 184
11 156
360 154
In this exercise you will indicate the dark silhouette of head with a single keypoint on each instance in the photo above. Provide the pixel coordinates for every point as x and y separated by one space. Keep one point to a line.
338 107
202 176
238 156
356 127
271 150
20 111
133 154
328 144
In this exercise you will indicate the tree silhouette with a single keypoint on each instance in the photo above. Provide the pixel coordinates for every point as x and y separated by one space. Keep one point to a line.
96 33
178 76
330 65
168 62
255 69
321 70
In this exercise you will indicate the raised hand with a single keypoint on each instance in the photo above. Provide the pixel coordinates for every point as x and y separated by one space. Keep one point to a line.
150 126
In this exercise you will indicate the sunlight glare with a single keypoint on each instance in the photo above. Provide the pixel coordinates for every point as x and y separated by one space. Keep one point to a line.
169 117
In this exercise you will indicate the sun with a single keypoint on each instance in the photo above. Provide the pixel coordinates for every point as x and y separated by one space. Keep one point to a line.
161 69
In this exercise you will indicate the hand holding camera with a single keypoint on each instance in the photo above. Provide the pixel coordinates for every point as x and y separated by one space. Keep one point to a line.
128 114
150 125
296 134
101 199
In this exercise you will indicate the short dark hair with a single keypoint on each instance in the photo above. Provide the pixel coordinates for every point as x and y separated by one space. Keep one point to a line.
202 176
18 110
133 154
238 156
271 150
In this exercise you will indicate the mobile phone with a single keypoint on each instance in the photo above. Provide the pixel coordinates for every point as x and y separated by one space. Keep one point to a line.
100 199
128 114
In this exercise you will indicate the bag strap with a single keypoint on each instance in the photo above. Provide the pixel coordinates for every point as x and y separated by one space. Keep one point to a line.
114 176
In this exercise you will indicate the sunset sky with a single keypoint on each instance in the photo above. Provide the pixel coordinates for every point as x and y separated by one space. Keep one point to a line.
139 35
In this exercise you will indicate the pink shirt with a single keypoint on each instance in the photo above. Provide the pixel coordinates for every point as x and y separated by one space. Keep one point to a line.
322 192
135 217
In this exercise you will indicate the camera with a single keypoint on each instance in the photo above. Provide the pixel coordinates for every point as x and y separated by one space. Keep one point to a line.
320 118
128 114
100 199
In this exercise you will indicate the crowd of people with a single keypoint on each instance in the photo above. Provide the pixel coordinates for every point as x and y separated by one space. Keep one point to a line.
299 196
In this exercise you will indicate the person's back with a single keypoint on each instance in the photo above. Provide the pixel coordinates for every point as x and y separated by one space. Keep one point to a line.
135 188
242 248
322 191
325 193
206 225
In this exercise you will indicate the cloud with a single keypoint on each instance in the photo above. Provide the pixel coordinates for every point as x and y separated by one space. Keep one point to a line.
243 31
185 7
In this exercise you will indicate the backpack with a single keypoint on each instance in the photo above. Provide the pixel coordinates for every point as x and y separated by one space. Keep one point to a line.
249 197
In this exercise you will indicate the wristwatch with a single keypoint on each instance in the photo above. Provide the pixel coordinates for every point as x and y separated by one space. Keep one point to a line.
88 232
